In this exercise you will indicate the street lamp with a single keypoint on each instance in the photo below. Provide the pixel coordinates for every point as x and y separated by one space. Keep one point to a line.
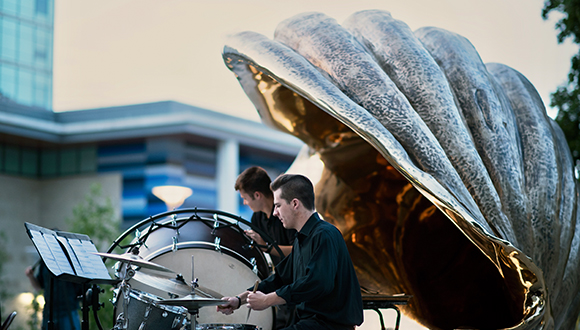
173 196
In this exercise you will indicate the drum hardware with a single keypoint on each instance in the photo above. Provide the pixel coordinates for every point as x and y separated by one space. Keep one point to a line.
192 302
216 242
174 222
144 311
216 223
171 286
133 259
238 254
174 246
254 265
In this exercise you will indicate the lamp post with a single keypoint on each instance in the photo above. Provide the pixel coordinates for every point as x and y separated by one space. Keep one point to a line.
173 196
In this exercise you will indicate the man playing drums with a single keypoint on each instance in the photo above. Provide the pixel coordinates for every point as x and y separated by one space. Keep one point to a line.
317 276
254 188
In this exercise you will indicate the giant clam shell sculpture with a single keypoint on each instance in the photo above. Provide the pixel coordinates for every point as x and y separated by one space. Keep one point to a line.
445 175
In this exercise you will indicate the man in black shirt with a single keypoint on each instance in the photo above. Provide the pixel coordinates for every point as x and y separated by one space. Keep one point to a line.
254 188
317 276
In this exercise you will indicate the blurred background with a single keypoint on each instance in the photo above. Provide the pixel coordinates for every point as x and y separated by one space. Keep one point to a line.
101 101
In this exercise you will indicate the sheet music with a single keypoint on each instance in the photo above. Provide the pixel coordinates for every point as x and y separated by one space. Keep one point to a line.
91 264
45 244
68 255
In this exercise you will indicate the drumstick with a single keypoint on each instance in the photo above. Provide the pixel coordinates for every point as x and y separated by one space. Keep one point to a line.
253 291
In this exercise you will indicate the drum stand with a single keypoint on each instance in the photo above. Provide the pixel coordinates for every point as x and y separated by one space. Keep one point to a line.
125 273
192 302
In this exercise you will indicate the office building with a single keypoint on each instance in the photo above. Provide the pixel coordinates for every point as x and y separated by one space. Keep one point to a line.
26 50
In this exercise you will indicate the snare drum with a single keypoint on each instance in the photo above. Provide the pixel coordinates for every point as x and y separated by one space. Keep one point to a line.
224 262
226 327
141 311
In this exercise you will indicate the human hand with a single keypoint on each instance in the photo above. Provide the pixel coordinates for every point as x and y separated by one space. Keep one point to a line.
29 272
257 301
229 306
255 236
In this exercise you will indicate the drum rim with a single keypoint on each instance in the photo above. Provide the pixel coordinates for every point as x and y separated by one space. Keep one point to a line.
137 294
229 217
149 230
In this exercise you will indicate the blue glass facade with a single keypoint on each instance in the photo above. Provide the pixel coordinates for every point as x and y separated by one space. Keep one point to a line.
26 50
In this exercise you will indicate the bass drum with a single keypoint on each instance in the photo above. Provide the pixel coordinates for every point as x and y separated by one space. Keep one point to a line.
224 261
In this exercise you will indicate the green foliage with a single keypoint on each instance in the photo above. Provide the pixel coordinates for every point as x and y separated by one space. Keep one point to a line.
95 217
566 98
34 310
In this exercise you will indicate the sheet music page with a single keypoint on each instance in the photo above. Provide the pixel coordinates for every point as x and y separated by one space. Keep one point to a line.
57 263
74 261
92 264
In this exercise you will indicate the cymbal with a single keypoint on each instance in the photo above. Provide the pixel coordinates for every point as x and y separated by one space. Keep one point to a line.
173 285
170 285
134 260
192 302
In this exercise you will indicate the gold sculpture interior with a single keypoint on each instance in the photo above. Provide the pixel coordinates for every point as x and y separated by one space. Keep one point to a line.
412 219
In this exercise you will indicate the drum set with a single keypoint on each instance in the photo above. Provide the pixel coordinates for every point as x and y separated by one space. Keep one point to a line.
179 263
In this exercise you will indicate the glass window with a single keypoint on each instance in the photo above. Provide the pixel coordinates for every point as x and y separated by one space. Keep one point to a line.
8 81
41 49
27 8
88 159
9 6
26 53
29 162
12 159
9 39
42 91
48 162
42 7
48 101
68 161
25 87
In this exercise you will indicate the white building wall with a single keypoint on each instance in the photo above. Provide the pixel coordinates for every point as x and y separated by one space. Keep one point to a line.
47 203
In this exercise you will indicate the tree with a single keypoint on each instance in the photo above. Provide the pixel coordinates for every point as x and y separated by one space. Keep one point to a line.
567 98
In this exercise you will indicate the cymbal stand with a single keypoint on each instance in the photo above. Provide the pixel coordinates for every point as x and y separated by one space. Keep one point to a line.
193 312
125 272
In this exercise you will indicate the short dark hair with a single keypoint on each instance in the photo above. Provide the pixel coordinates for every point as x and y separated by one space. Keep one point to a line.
254 179
295 186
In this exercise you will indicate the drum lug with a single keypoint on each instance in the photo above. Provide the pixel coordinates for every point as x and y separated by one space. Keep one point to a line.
174 246
254 265
218 247
138 235
174 222
216 223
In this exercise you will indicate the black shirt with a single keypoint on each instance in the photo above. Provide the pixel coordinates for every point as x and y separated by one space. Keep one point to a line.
275 229
318 276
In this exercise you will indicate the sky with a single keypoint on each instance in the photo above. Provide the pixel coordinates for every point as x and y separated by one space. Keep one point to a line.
118 52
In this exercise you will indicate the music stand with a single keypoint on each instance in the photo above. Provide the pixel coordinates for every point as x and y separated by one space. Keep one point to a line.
70 257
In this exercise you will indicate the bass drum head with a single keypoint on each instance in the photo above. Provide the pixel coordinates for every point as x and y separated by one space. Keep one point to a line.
216 271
